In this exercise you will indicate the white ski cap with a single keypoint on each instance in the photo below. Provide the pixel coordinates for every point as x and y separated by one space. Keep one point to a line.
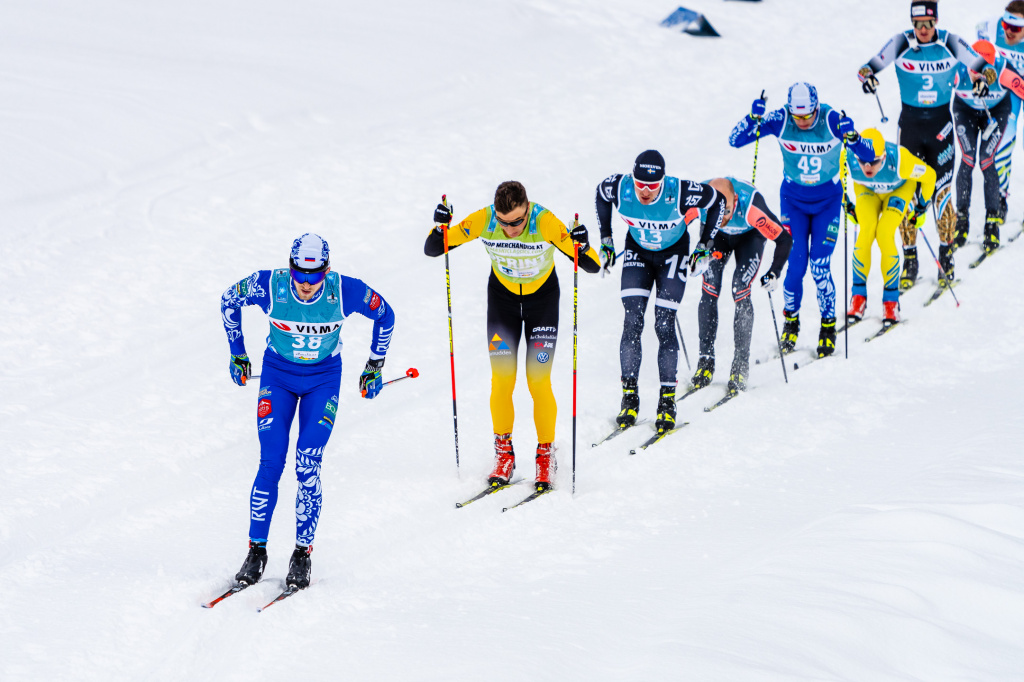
310 253
803 99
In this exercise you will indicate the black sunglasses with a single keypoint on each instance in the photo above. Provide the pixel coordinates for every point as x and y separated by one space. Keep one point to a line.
512 223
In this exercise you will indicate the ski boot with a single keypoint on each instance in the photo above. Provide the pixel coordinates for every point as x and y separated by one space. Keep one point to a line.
546 465
992 223
504 460
962 228
705 371
827 337
255 562
892 313
738 376
666 420
630 404
790 330
946 263
909 275
858 306
300 567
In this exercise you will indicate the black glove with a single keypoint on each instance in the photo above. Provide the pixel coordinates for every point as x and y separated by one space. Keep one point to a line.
442 214
851 209
770 281
580 236
868 82
980 88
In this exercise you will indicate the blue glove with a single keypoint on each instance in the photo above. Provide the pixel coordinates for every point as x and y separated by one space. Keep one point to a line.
757 109
607 253
369 381
848 130
240 368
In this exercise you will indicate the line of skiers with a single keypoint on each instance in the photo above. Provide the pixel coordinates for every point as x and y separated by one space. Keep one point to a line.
894 183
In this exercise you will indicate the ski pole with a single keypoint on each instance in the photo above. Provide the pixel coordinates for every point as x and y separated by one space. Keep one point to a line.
991 127
451 338
885 119
778 339
410 373
843 158
575 305
757 144
942 272
679 328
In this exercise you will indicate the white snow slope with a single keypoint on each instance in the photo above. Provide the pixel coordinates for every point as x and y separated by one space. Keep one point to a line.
863 522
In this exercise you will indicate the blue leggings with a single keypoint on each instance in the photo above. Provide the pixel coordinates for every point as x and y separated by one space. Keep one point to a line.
814 226
314 389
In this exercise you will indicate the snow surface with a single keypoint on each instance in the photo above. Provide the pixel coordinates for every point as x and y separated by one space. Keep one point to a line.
863 522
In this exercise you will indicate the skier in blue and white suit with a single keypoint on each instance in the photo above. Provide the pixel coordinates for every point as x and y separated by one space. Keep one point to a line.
307 305
811 137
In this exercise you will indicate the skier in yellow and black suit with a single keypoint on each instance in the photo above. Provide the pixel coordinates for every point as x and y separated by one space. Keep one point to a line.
893 192
522 291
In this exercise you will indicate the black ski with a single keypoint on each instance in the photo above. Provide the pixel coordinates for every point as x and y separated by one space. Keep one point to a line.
849 324
533 496
981 259
728 396
942 288
774 357
655 438
814 358
235 589
618 430
288 591
886 328
690 390
908 287
489 490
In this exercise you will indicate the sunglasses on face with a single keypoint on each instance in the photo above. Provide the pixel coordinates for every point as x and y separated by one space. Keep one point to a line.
924 23
512 223
1010 28
308 277
804 117
653 186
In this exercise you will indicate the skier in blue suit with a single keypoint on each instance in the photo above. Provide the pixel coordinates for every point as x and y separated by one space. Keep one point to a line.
812 136
306 304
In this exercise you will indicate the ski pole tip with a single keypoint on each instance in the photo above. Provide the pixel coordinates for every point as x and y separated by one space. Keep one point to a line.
412 372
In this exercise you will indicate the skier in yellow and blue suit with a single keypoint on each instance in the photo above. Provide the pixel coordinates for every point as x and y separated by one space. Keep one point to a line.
522 292
892 191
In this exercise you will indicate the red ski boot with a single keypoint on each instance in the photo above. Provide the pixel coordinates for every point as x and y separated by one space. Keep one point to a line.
504 459
546 465
892 313
858 305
